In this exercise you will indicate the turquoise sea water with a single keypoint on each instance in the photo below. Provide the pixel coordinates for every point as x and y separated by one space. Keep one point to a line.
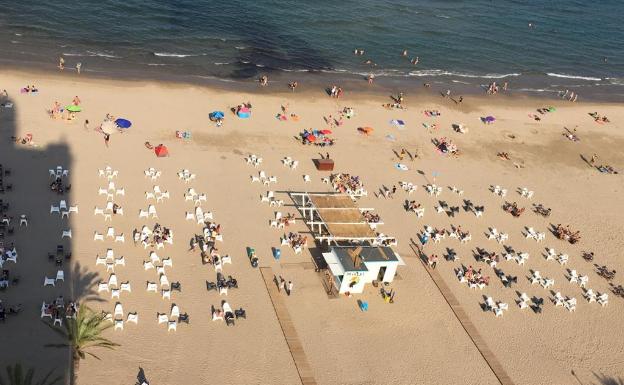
569 44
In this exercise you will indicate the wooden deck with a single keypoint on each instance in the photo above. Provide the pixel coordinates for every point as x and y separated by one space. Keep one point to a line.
469 327
290 334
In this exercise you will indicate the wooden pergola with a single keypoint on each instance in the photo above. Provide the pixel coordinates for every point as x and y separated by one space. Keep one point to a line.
335 218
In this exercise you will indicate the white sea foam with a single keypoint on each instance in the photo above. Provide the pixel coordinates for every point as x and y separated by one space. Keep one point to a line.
573 77
102 54
436 72
167 54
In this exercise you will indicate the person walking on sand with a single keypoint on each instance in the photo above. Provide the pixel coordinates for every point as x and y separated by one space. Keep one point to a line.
593 159
371 77
86 124
290 287
61 63
106 139
78 67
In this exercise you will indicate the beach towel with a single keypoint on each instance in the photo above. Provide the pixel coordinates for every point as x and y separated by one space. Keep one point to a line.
398 123
183 134
391 137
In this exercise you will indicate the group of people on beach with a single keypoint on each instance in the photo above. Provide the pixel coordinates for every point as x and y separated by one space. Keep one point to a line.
61 65
569 95
494 88
335 91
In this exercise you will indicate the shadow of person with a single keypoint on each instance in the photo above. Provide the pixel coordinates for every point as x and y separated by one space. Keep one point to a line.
141 379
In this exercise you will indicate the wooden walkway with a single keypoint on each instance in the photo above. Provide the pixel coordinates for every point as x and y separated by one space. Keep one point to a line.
468 326
290 334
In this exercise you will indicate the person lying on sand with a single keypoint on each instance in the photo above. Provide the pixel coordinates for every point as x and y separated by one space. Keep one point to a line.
503 155
571 137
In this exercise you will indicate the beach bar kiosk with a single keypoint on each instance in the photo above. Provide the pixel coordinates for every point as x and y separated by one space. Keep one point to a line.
354 267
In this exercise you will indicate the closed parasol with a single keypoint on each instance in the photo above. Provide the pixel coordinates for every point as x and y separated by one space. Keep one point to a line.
326 132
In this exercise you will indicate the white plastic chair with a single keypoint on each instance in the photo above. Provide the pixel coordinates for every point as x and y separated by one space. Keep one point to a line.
118 310
103 286
110 233
162 318
152 286
120 238
55 209
133 317
48 281
66 233
125 286
98 237
175 311
166 294
112 280
172 326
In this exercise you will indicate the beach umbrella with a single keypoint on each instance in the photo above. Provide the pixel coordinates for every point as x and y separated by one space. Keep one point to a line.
217 115
161 151
108 127
123 123
244 113
73 108
326 132
490 118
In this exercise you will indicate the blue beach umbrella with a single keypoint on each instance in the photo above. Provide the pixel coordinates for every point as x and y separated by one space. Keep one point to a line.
217 115
123 123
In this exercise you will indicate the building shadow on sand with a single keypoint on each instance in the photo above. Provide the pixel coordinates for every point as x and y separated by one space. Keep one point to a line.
42 252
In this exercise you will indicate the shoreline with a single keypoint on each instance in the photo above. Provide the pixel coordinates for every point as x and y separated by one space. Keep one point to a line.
354 90
313 82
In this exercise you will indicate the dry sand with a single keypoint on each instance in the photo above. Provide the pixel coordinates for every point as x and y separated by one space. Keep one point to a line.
416 340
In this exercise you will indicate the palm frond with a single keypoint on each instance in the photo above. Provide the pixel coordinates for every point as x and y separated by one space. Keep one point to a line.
16 376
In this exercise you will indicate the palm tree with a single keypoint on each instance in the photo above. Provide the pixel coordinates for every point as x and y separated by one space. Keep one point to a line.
15 376
82 333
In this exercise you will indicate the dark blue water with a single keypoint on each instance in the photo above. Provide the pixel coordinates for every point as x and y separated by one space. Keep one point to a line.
571 43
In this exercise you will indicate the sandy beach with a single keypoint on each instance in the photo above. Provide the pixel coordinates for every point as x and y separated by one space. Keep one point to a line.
416 340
